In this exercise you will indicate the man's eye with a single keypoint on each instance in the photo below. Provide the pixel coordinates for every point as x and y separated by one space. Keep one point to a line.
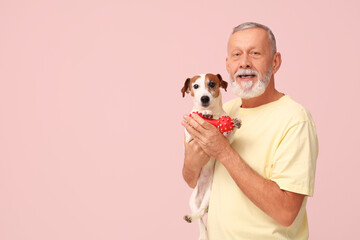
256 53
237 54
212 84
196 86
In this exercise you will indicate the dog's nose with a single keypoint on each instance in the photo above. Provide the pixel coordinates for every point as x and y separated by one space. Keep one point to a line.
205 99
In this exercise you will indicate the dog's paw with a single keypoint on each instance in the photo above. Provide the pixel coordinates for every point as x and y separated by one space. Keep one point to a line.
237 122
208 114
188 218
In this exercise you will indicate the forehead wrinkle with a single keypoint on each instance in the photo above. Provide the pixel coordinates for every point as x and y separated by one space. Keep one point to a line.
248 40
246 47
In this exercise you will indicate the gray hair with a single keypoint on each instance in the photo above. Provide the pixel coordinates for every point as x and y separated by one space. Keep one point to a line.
248 25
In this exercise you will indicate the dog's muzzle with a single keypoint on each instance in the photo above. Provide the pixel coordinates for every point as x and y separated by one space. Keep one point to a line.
205 100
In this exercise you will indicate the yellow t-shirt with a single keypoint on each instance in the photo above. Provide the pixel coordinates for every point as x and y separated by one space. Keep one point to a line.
278 140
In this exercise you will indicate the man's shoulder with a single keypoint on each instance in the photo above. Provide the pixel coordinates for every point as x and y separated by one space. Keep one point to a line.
294 109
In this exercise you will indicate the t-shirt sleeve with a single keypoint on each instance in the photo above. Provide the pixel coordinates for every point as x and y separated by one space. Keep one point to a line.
294 163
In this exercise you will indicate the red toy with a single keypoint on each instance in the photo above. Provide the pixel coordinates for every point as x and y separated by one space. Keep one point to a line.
224 124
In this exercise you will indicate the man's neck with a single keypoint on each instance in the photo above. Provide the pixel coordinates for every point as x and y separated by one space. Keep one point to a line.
270 95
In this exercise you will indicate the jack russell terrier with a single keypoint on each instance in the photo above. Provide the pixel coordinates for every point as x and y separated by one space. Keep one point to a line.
205 90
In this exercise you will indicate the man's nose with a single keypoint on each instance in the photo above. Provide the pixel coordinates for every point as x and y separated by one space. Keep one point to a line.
244 61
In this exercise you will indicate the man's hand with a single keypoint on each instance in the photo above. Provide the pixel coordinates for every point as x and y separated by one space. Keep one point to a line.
207 136
195 157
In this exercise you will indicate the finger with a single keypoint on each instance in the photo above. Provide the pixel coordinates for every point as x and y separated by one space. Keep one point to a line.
193 123
202 122
200 145
192 131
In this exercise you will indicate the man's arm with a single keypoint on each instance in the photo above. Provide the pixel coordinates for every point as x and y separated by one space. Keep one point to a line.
283 206
195 159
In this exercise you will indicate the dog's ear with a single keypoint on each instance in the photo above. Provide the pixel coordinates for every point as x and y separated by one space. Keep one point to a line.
185 88
223 83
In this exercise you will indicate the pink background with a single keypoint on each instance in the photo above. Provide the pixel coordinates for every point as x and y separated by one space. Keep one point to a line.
91 144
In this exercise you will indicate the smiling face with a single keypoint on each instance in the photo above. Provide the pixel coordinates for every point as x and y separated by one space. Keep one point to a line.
250 63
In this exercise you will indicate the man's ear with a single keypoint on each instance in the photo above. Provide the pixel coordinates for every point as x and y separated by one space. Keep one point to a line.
276 62
185 88
223 83
227 65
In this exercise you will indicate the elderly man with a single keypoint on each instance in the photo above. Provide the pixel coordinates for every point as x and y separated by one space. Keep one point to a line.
262 180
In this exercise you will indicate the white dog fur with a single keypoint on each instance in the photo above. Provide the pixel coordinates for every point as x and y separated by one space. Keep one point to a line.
205 90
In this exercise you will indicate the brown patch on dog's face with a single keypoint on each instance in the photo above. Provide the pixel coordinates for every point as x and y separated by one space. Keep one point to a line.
214 83
188 85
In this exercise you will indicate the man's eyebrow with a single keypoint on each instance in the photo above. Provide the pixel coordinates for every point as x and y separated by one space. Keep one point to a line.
248 49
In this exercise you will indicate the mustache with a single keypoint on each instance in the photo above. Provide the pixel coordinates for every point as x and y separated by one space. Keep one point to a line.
246 72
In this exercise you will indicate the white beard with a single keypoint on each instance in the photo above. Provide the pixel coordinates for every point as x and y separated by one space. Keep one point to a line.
248 89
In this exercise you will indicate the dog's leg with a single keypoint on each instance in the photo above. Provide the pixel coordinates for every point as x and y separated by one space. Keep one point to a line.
200 197
203 230
195 203
237 122
187 136
199 201
205 205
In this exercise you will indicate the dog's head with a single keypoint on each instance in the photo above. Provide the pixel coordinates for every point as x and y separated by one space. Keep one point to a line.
204 88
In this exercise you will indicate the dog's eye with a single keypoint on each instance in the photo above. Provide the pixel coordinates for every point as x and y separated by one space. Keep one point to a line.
212 84
196 86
